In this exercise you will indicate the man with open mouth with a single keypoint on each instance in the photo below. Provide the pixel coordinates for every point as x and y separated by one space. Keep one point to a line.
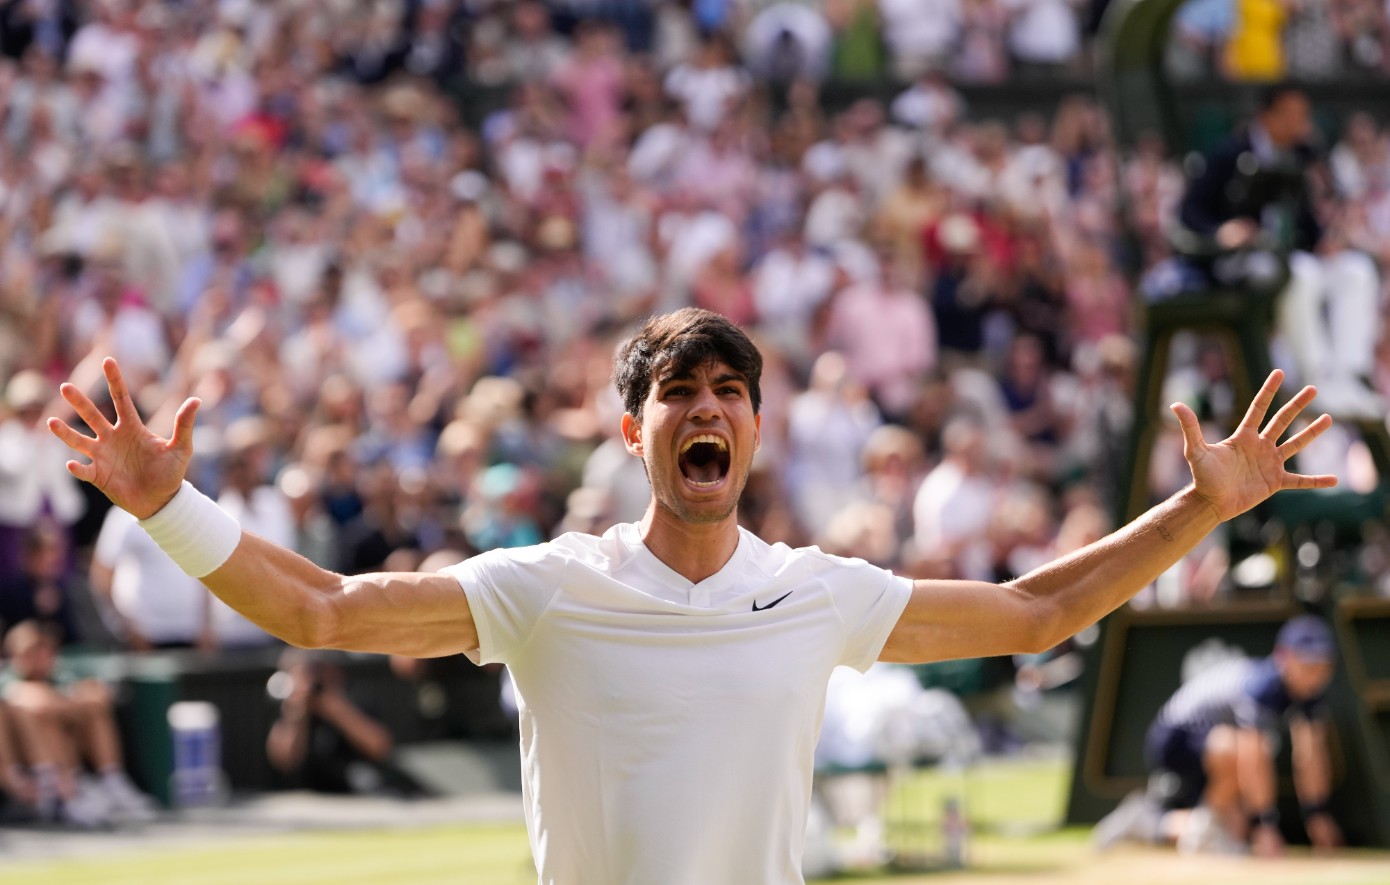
671 674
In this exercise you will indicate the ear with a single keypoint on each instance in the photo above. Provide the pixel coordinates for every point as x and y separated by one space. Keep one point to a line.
757 432
632 434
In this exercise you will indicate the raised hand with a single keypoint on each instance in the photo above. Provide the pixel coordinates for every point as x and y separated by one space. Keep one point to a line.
138 470
1248 466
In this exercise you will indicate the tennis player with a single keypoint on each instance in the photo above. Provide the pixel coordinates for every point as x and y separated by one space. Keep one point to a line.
671 674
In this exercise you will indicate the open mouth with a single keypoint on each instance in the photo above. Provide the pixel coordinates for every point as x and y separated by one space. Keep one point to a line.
704 460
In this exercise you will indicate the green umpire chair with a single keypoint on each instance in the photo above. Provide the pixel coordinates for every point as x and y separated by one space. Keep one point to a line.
1134 665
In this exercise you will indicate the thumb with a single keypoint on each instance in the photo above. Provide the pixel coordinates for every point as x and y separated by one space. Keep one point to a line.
1193 445
182 440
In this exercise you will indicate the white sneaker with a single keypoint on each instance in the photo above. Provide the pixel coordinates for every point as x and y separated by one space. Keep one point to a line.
127 803
89 808
1205 835
1136 819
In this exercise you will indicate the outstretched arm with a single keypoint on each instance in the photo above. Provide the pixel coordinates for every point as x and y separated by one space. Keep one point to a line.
419 615
956 619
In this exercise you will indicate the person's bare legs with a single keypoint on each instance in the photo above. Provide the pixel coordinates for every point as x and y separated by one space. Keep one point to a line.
14 778
41 727
95 726
1223 793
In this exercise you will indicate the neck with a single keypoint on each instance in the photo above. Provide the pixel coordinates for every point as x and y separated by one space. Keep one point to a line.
692 550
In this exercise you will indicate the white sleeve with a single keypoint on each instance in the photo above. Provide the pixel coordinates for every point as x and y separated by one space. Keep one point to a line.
869 600
508 592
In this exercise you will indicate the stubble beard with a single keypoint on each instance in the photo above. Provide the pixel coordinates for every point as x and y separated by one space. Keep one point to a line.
693 516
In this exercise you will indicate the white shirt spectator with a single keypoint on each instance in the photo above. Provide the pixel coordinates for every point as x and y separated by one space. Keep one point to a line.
33 471
134 332
919 33
788 41
616 232
1044 31
1034 181
835 214
612 469
111 51
927 104
148 590
691 240
788 285
707 93
951 513
267 514
826 432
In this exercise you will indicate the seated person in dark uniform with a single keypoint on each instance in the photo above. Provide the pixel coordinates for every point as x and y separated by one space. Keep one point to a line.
1250 203
1212 751
323 740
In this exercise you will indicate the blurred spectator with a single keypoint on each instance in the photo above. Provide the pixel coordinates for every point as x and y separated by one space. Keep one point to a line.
64 725
1311 42
435 48
149 600
591 83
786 42
35 486
963 289
915 204
893 464
887 335
790 284
322 739
44 27
858 53
1255 50
1027 387
1098 299
533 51
1200 31
260 507
982 57
828 426
929 104
1361 160
1251 196
920 36
954 505
501 511
1044 34
42 592
710 86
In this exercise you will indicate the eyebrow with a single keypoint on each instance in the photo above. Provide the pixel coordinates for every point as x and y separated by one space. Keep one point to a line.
690 376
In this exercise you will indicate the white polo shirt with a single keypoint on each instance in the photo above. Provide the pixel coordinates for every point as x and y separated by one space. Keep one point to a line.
667 728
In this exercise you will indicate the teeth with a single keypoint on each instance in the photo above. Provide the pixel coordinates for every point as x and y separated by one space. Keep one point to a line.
705 438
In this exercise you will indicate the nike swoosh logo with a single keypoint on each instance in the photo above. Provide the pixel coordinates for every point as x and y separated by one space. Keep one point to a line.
764 608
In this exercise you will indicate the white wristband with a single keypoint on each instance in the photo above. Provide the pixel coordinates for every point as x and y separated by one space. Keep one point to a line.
197 534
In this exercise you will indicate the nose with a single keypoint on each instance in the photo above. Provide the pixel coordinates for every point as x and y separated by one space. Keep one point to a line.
706 405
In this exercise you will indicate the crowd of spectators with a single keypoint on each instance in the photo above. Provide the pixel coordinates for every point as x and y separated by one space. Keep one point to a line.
401 326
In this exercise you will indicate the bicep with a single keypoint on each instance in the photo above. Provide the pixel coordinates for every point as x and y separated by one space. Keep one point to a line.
418 615
945 620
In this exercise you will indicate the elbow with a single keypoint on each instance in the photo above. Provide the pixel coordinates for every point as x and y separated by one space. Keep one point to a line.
1048 627
317 625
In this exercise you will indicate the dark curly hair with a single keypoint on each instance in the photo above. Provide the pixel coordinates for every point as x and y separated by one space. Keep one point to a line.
676 343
